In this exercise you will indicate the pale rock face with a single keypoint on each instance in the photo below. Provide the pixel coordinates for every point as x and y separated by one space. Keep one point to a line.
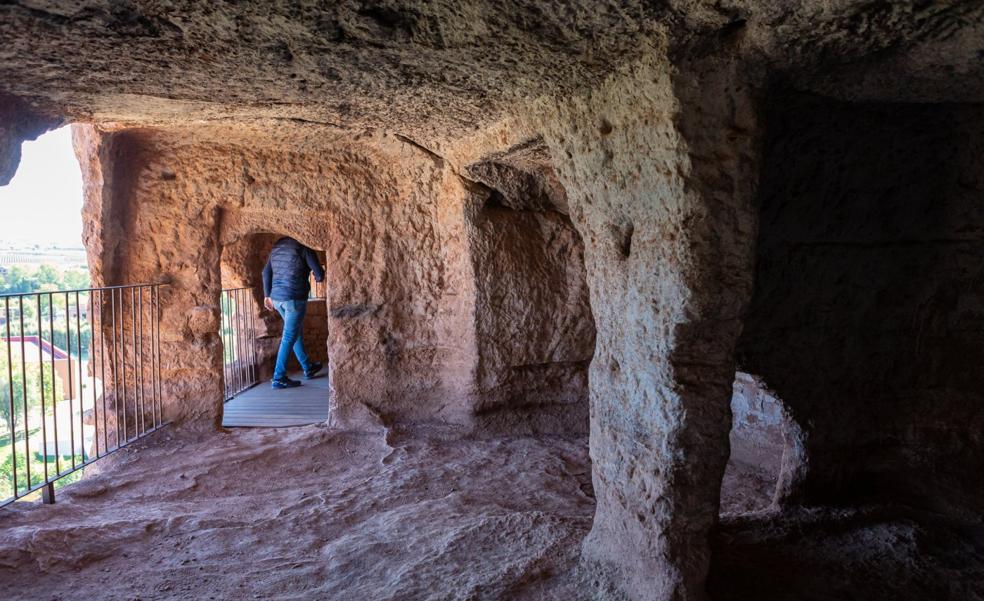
668 271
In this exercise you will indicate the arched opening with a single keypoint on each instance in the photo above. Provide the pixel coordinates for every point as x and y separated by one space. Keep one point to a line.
251 336
765 446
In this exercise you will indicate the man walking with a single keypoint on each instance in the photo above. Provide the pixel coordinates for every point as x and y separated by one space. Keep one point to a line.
286 288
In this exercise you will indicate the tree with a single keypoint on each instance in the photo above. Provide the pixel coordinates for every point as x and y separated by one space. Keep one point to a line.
75 279
26 378
48 277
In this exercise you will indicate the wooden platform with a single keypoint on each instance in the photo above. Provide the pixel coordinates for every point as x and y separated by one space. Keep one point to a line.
264 407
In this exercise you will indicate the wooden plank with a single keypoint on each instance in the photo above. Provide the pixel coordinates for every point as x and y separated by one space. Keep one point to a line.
262 406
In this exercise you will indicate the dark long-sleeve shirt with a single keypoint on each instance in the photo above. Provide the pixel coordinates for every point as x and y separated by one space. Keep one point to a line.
285 276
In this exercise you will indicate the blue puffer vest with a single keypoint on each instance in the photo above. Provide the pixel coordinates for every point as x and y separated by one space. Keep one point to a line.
291 272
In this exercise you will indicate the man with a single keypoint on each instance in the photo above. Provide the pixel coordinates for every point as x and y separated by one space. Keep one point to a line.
286 288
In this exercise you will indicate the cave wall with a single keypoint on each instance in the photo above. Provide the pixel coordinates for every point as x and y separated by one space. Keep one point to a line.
18 124
765 441
414 332
133 235
396 347
868 309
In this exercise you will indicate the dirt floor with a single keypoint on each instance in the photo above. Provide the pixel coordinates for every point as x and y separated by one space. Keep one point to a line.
312 513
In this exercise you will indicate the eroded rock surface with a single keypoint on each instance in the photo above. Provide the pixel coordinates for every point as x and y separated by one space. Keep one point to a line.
306 513
311 513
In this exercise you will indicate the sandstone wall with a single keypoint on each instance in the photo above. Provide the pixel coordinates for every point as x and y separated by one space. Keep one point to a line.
133 234
765 441
394 352
534 330
440 307
868 310
18 123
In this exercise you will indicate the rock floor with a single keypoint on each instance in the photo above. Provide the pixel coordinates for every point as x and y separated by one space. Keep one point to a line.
312 513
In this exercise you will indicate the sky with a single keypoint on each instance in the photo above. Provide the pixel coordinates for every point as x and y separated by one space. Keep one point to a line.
43 202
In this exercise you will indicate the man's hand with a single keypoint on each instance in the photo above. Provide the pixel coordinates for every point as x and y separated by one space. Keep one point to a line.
268 303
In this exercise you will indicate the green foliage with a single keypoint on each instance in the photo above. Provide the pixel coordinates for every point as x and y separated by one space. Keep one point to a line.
37 475
18 280
7 473
26 377
60 326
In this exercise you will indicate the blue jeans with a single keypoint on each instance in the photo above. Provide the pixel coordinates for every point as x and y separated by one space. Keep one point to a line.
293 313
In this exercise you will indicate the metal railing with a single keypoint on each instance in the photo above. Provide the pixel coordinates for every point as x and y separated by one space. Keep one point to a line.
79 379
319 290
238 330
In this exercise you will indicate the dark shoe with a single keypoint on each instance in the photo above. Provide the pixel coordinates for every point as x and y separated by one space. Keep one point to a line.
313 372
284 383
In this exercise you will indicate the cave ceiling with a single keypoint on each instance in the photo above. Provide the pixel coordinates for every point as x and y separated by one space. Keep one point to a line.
440 70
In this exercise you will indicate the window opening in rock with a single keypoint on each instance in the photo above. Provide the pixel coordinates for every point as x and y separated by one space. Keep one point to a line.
760 427
45 340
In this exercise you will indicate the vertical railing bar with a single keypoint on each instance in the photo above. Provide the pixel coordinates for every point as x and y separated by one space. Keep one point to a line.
116 370
252 337
92 368
234 332
102 367
10 384
246 358
126 395
244 365
150 351
246 344
157 320
233 341
222 336
155 364
71 384
136 299
143 357
225 343
78 339
27 424
135 359
230 366
247 314
54 383
236 340
44 422
238 329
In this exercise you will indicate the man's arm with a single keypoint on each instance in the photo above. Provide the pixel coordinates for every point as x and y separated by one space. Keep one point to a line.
312 261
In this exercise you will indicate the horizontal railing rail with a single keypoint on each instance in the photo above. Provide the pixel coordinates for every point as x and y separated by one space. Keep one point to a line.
238 333
80 378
